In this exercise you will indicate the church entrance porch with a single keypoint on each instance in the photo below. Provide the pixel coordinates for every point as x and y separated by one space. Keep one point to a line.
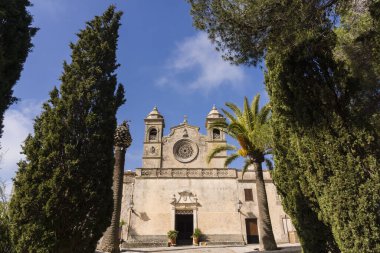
184 224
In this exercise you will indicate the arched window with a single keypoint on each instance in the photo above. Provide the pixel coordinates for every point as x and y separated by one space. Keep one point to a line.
216 134
153 134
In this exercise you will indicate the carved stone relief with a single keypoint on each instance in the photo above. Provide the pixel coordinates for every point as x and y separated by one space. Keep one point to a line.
186 200
152 150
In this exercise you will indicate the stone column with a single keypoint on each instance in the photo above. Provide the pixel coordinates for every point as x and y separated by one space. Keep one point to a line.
174 201
195 213
195 218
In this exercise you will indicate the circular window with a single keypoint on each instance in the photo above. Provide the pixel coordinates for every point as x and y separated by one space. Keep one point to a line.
185 151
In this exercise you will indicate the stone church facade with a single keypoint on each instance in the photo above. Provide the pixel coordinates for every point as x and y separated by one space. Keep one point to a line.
176 189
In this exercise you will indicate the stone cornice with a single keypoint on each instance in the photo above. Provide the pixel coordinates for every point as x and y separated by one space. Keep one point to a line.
186 173
249 176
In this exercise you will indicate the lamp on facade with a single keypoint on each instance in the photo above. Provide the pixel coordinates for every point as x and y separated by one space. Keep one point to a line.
239 204
131 204
174 202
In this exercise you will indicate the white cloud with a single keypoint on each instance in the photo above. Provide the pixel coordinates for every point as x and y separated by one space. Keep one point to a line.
196 65
18 123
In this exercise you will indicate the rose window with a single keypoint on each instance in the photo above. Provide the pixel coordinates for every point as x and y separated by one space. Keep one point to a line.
185 150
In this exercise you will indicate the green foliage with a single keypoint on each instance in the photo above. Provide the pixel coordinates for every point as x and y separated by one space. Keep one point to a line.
251 128
358 41
5 223
244 30
172 234
122 223
297 196
197 233
323 79
221 148
326 105
62 199
15 44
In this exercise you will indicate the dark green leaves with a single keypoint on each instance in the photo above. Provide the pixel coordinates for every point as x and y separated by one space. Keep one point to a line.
250 127
323 79
62 199
15 44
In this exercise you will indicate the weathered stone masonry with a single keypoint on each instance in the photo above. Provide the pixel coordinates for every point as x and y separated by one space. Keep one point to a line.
177 189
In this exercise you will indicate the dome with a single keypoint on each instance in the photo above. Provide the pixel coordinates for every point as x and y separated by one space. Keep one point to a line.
154 114
214 113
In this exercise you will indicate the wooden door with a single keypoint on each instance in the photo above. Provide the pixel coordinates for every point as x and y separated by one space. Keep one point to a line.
252 231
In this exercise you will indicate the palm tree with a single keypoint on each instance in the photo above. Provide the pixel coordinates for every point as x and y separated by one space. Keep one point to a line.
251 129
123 140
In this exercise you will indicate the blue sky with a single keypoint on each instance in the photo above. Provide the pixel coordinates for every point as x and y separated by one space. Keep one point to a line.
164 62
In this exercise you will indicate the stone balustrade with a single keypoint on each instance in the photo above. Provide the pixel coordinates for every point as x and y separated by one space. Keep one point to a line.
186 173
197 173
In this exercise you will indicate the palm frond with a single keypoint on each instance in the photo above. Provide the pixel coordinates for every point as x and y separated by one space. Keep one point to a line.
218 149
248 117
235 109
264 114
230 159
237 129
222 125
229 116
255 105
250 127
269 164
247 163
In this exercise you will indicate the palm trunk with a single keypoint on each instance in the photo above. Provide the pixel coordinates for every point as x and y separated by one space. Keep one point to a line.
111 240
266 237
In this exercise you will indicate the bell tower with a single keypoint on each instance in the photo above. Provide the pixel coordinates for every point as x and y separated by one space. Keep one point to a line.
215 137
154 127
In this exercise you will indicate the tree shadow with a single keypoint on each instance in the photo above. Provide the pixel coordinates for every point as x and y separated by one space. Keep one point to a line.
143 216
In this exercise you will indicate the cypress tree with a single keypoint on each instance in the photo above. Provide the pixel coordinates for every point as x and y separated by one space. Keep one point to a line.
323 83
62 199
15 44
5 240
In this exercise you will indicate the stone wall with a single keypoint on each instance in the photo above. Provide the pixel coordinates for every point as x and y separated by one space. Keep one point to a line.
213 199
